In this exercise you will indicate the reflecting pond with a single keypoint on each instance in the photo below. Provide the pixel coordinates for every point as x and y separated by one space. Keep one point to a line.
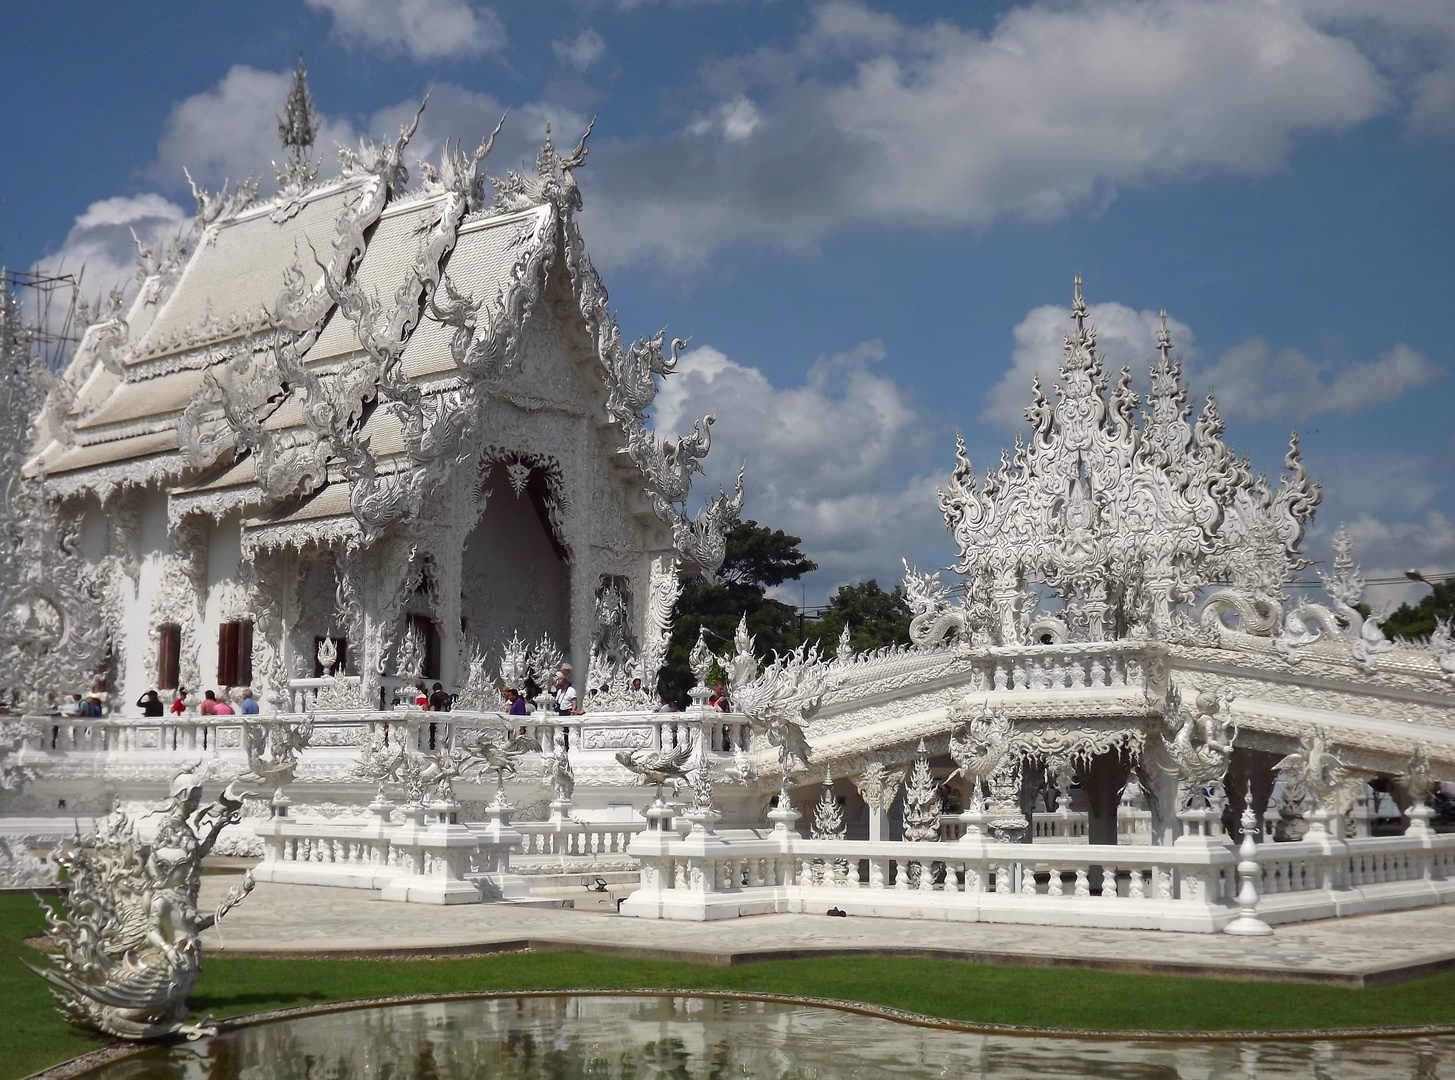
692 1038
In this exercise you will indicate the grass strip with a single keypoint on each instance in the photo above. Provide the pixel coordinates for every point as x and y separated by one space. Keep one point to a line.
34 1035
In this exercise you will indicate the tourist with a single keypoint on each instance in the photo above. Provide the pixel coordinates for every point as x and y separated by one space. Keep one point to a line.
439 701
77 707
92 706
565 693
179 703
666 704
517 703
421 696
151 705
249 706
719 699
222 708
209 704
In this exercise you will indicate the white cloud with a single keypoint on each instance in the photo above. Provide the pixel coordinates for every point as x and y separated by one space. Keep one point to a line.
581 51
101 240
827 460
1253 382
231 131
1412 42
1124 337
425 29
1056 108
733 120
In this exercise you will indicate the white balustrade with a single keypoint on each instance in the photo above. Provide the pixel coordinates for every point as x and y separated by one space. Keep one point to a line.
1186 888
573 840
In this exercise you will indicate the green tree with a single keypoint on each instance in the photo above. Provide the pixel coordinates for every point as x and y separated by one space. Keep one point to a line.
875 618
1419 621
758 558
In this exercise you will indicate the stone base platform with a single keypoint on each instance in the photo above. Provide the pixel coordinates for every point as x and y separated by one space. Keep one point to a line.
306 920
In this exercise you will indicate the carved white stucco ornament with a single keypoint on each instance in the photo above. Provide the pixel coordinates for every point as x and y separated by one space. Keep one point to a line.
1201 746
781 701
126 947
273 750
1125 512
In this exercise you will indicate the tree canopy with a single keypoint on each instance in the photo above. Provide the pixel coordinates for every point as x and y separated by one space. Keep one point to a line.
875 618
1419 621
757 559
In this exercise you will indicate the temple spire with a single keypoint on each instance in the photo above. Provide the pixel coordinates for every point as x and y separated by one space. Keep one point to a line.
297 128
1164 341
1078 306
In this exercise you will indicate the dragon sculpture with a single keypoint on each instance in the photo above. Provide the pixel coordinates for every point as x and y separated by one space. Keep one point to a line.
126 951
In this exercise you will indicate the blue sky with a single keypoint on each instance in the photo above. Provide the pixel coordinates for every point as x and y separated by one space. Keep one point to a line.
867 217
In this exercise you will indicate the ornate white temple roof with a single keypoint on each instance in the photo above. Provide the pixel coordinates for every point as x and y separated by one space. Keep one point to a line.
312 355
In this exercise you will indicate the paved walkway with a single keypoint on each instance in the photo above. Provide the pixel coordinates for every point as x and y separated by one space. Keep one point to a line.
305 919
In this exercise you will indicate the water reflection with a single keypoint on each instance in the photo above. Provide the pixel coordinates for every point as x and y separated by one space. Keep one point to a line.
684 1038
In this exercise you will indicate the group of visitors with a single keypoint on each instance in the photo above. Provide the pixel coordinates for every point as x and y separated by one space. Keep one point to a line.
151 704
90 705
436 700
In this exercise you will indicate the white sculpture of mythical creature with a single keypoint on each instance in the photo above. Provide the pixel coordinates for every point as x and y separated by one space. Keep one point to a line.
658 767
438 772
1202 744
1316 768
283 744
13 775
126 949
379 762
1442 644
929 602
499 750
980 747
1308 622
558 768
780 701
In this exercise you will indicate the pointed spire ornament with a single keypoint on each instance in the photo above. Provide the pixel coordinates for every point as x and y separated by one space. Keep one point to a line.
297 129
828 815
921 800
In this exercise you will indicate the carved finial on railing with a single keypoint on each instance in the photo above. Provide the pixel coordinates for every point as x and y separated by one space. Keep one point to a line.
700 661
1247 924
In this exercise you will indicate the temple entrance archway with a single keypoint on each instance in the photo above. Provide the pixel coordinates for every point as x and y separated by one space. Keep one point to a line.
515 574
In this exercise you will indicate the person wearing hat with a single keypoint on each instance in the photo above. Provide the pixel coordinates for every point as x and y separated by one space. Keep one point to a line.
565 693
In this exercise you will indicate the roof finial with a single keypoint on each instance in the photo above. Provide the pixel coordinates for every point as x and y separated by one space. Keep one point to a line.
1078 306
297 128
1164 341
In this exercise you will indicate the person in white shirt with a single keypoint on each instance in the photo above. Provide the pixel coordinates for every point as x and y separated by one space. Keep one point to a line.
565 692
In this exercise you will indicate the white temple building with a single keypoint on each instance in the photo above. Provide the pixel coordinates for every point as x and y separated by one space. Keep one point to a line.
363 433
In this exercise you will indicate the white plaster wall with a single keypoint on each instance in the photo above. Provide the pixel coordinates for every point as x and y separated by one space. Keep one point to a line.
95 538
136 603
224 557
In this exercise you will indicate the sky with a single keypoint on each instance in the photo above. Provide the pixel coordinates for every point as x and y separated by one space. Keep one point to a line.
868 217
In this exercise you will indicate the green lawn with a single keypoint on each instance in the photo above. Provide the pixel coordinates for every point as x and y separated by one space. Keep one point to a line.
33 1035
